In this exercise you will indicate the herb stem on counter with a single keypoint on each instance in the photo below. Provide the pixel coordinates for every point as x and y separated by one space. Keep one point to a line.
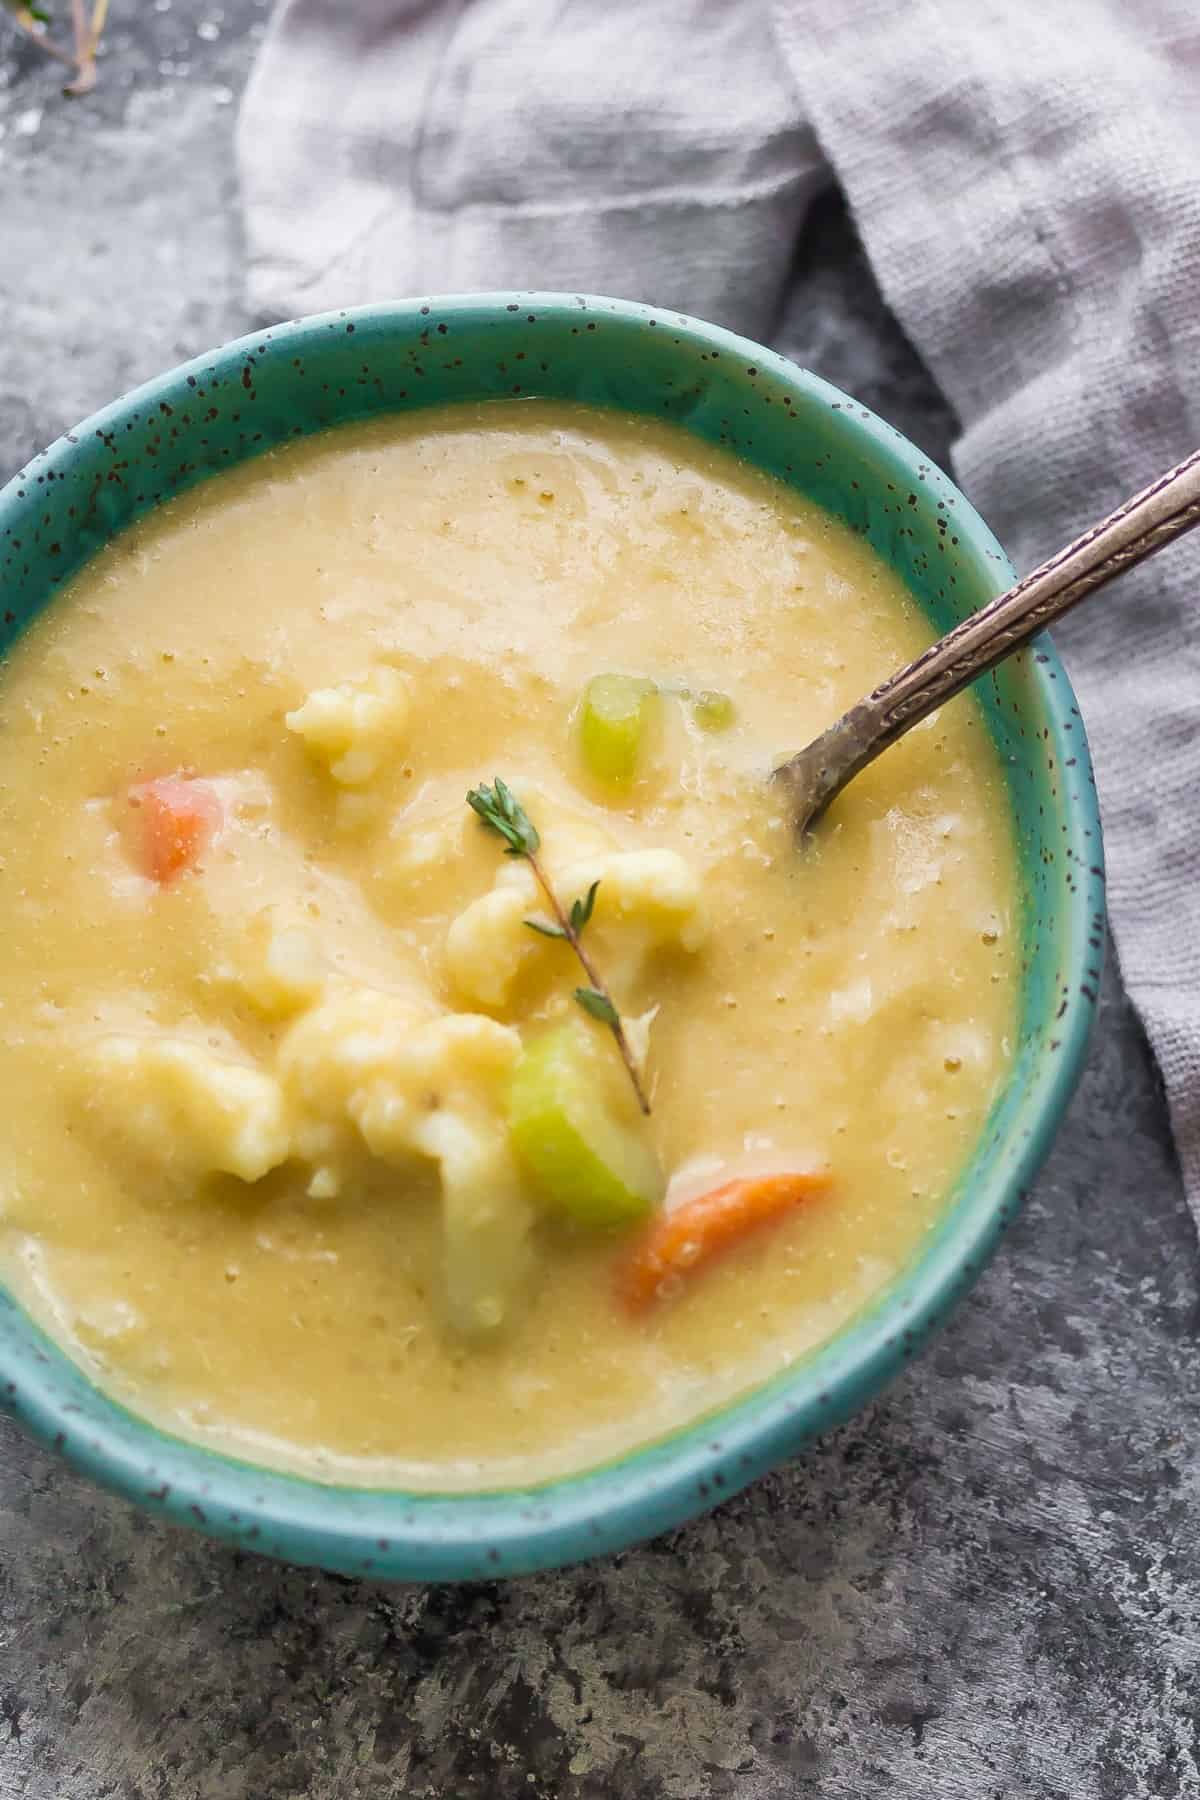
501 811
33 21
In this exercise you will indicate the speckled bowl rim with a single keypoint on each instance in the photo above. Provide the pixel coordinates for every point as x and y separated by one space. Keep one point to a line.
406 1536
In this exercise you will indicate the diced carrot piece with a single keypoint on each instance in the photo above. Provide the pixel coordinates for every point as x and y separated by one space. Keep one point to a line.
179 818
697 1231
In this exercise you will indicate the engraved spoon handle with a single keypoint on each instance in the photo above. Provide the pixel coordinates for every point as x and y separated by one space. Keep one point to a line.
1160 513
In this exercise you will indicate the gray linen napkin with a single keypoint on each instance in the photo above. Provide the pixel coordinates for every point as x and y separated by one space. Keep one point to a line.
1026 180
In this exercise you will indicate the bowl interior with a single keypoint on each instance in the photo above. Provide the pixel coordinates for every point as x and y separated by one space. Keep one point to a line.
305 377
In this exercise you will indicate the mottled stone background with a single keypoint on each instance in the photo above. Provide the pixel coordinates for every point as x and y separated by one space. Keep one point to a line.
985 1587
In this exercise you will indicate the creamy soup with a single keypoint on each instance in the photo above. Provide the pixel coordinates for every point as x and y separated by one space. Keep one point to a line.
319 1145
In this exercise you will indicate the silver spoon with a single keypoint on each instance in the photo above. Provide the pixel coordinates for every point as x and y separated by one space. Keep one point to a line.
1160 513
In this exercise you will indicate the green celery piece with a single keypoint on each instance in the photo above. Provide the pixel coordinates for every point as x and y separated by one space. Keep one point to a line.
614 722
713 711
584 1161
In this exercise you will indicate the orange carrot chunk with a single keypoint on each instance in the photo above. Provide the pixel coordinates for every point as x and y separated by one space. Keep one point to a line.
179 817
699 1230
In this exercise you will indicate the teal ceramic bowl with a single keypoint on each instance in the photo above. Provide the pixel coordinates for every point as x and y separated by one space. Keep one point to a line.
317 373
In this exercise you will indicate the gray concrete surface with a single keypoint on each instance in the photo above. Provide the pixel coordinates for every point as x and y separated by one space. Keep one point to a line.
985 1588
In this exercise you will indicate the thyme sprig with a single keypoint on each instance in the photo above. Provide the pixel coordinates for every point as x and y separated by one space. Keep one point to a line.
31 18
500 810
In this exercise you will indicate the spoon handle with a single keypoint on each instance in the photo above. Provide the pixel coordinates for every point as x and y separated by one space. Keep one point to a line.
1161 512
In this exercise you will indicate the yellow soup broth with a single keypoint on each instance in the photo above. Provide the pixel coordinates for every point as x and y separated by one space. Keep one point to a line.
255 1109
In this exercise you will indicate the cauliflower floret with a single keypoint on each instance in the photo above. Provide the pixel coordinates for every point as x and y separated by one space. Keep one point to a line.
568 837
444 1098
436 830
486 1221
410 852
194 1112
352 727
279 968
327 1057
649 898
488 944
447 1074
405 1084
655 888
424 1088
